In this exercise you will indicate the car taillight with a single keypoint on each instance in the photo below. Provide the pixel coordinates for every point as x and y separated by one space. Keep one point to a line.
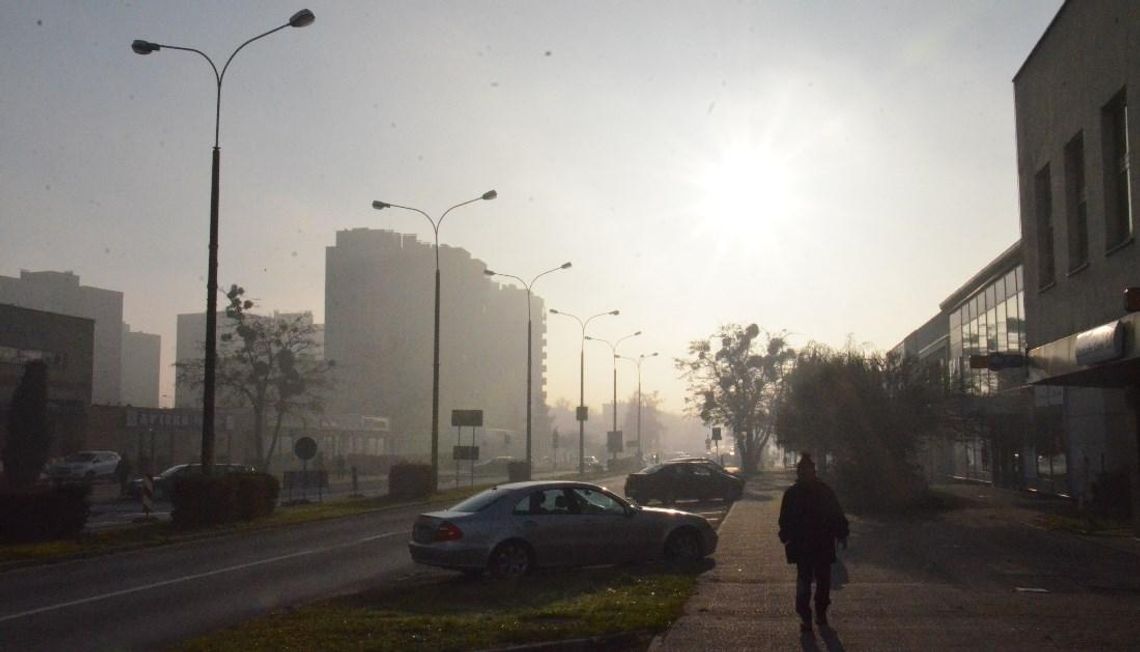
448 532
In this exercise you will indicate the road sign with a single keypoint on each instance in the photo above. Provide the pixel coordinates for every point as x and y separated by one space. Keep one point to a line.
305 448
148 494
472 418
465 453
716 434
554 441
613 441
582 413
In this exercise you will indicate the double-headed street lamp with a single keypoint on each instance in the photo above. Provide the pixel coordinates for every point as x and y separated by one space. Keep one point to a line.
381 205
529 336
613 350
638 360
581 415
302 18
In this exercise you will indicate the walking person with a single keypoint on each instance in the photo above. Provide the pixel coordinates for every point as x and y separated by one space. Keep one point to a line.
811 521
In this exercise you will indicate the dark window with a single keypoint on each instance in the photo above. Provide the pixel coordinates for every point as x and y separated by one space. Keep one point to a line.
1117 187
1043 206
1076 202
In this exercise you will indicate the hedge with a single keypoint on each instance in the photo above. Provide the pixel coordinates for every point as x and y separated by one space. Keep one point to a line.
200 500
410 481
44 514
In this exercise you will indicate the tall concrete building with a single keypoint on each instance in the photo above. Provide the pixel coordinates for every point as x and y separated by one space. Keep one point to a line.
141 365
61 293
1075 97
379 305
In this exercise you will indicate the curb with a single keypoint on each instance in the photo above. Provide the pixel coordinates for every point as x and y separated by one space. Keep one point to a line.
616 642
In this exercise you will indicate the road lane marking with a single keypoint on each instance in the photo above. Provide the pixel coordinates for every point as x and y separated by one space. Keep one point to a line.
196 576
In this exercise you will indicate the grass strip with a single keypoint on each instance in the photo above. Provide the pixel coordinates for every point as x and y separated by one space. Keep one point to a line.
459 613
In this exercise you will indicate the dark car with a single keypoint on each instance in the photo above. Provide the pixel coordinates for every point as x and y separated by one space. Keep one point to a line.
165 480
683 479
515 527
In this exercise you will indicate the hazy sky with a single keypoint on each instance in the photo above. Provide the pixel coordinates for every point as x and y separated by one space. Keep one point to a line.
824 167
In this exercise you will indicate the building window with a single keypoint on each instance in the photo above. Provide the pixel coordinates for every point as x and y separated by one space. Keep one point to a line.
1117 186
1043 203
1076 202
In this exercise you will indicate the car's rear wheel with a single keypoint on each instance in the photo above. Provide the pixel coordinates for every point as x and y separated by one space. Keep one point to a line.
683 546
508 560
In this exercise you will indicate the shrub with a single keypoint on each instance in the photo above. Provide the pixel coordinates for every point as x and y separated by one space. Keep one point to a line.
45 514
200 500
410 481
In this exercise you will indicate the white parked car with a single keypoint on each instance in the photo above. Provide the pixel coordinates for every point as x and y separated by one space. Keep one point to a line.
84 466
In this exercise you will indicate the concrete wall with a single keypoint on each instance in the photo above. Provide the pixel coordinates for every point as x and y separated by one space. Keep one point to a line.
1090 52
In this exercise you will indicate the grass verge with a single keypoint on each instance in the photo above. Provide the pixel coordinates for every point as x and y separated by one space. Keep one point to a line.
459 613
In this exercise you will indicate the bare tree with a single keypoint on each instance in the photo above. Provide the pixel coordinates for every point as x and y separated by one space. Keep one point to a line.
737 384
270 364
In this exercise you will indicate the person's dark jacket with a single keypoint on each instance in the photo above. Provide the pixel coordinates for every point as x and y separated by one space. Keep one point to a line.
810 522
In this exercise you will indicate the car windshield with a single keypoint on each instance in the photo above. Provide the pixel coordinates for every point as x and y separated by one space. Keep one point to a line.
80 457
478 502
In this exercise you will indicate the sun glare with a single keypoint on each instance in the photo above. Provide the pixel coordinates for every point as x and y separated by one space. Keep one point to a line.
747 187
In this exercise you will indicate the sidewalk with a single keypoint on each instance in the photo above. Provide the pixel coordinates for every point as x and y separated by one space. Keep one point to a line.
973 578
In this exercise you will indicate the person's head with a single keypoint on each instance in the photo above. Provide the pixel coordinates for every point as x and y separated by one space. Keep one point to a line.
805 468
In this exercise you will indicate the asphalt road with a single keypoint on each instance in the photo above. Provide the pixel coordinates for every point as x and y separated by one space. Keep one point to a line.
147 598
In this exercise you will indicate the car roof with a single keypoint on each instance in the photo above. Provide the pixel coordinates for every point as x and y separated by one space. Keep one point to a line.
546 484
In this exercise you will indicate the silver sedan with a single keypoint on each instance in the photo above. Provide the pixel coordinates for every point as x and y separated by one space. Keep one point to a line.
512 528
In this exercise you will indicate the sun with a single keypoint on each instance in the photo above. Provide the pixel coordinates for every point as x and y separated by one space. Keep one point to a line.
746 186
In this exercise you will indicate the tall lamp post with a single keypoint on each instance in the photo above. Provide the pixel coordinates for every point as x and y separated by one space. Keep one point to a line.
381 205
581 416
529 337
638 360
302 18
613 350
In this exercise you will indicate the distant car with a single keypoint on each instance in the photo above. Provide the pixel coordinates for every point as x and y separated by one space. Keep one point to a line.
84 466
592 463
668 482
164 481
512 528
711 463
494 466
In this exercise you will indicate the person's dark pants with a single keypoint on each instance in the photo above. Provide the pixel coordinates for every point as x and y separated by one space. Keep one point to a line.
806 573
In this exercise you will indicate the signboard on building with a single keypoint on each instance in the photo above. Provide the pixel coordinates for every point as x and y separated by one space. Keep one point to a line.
172 419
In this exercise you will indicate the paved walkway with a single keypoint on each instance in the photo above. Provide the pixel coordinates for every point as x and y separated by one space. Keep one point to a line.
981 577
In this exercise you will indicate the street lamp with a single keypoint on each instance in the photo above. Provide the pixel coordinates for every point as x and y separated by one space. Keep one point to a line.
529 335
581 415
613 350
638 360
381 205
302 18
